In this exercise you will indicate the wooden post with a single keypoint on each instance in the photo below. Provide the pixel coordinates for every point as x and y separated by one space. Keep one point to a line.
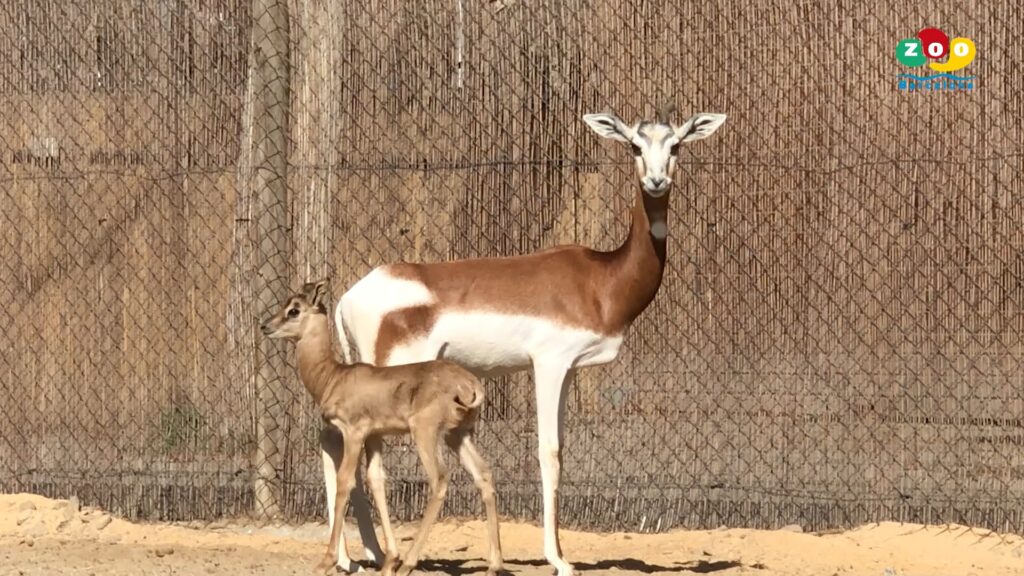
267 138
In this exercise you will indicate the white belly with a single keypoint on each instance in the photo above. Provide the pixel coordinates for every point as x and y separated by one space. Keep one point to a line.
491 343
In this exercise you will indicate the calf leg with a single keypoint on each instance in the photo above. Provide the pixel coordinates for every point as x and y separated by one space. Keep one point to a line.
331 444
346 478
376 476
481 473
437 477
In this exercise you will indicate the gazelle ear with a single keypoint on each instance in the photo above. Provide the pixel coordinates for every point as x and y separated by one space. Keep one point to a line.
316 293
700 125
609 125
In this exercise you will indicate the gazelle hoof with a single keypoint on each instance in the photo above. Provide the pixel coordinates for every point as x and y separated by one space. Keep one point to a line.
565 569
349 567
326 565
375 557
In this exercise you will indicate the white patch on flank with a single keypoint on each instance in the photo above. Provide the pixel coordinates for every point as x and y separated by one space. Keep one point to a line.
410 352
494 343
659 229
367 302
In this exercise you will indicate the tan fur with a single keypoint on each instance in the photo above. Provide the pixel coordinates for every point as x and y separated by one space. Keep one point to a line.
433 401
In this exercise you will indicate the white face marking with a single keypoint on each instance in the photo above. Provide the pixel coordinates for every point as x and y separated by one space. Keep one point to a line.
656 162
654 143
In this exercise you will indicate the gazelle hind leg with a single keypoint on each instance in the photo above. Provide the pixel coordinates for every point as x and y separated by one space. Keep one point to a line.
437 477
462 443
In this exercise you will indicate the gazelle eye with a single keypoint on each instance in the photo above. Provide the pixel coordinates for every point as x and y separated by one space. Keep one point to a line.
293 312
636 149
675 149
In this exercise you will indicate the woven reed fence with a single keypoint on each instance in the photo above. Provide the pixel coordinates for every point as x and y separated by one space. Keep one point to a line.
838 338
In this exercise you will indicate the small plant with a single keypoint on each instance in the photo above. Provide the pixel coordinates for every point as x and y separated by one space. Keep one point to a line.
181 428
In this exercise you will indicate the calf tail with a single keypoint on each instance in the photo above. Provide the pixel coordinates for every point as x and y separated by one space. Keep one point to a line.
470 394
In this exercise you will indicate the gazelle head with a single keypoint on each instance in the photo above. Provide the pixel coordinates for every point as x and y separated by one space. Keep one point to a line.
655 143
290 320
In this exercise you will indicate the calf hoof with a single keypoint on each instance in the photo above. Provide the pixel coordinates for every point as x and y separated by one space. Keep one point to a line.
406 569
326 565
390 564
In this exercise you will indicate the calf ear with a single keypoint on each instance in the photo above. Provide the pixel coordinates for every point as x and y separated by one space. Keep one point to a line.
609 125
316 293
700 125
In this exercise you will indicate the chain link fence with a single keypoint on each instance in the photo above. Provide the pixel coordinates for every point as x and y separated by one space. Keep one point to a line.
838 338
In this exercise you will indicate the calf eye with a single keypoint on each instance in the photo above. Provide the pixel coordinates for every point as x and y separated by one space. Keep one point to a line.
293 312
675 149
636 149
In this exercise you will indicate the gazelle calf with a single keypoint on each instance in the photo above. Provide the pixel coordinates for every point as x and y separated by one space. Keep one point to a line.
432 401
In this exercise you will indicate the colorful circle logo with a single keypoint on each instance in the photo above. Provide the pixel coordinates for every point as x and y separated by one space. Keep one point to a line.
933 44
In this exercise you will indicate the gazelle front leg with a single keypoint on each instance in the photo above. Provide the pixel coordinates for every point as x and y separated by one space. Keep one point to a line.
551 381
377 478
346 479
331 444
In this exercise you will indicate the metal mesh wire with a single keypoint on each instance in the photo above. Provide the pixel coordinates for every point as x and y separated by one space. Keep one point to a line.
838 338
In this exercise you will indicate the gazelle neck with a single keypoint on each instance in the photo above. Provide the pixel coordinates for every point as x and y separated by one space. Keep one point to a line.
315 357
640 261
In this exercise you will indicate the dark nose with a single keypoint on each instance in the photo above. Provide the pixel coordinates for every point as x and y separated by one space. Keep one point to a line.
657 182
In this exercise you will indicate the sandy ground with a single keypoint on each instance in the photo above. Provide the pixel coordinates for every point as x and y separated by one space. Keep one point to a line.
39 536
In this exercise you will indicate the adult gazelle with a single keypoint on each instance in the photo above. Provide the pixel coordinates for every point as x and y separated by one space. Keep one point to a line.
553 311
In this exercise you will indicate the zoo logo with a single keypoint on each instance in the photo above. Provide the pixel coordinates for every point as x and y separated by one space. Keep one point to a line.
933 44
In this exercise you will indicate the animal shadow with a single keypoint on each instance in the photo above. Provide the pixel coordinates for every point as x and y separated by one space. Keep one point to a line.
460 568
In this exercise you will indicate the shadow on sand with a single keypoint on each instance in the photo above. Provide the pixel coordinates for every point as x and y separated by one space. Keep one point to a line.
460 568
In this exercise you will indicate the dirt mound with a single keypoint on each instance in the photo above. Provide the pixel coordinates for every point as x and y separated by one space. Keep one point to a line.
36 516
